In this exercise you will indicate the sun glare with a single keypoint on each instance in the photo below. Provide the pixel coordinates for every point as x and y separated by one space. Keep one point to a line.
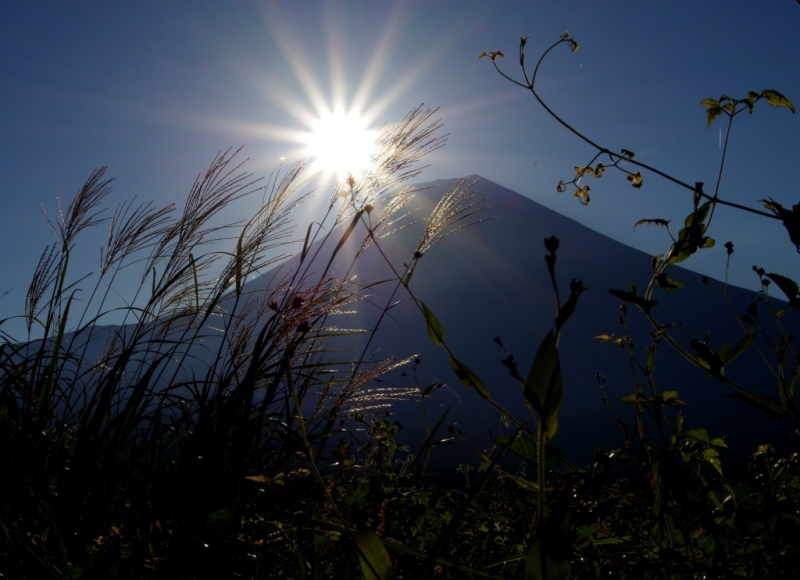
340 144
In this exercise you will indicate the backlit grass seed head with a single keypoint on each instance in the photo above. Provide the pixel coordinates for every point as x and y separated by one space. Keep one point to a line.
397 149
82 212
384 222
450 215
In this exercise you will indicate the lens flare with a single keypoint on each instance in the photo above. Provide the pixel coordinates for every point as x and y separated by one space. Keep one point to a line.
340 143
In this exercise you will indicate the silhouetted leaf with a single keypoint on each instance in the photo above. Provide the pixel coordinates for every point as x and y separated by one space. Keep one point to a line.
711 114
727 353
468 378
700 435
543 389
520 446
790 219
566 310
375 561
698 216
633 296
711 456
435 330
788 286
668 283
657 221
707 357
776 99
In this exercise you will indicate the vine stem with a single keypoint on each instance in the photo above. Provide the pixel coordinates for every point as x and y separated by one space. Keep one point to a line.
530 85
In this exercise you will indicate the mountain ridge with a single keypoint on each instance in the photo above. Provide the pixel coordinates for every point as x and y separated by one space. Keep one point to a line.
491 280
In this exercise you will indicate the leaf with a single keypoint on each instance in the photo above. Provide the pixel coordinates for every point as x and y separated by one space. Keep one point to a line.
407 277
776 99
583 195
634 399
711 115
655 261
789 287
708 358
668 283
709 103
657 221
520 446
580 171
633 296
790 219
711 456
698 216
468 378
375 561
699 435
575 290
728 353
435 330
636 180
672 398
543 389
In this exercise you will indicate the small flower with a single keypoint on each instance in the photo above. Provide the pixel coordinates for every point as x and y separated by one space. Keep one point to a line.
551 244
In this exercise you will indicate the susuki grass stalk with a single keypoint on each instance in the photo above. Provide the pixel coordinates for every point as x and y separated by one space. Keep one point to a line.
150 418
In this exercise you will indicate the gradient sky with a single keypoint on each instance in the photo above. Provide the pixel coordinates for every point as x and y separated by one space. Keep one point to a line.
155 89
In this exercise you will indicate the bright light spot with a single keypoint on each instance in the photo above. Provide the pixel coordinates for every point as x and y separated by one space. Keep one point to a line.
340 144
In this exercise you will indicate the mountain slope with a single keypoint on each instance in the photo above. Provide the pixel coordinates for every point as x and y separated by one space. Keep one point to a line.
491 280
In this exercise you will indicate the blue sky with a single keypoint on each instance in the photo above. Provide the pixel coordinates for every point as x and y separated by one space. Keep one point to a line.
155 89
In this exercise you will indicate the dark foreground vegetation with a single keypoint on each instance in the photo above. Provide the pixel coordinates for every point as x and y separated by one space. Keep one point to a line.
202 436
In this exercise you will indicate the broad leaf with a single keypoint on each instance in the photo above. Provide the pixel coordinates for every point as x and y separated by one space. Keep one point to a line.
727 353
435 330
520 446
375 561
776 99
468 378
788 286
543 389
708 358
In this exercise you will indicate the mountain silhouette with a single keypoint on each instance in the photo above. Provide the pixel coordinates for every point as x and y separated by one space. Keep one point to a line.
490 280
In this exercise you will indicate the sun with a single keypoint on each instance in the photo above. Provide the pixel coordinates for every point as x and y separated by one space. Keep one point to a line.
340 143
